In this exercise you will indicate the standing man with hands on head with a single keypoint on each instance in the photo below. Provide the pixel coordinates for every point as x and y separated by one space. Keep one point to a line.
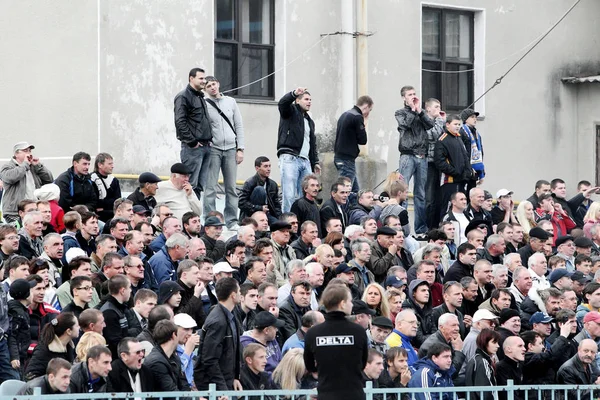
413 124
227 150
21 176
350 134
296 144
192 125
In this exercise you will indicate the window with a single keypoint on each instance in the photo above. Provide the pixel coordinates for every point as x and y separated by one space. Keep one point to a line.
244 46
448 46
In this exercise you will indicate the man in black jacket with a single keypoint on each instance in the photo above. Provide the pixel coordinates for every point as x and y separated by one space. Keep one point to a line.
163 361
56 380
463 266
511 366
192 126
89 376
579 371
305 207
452 159
260 193
413 124
335 206
303 246
337 349
191 301
350 134
219 352
296 144
144 194
114 310
291 312
76 186
128 374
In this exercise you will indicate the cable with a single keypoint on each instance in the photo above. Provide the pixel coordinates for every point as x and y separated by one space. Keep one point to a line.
323 37
499 80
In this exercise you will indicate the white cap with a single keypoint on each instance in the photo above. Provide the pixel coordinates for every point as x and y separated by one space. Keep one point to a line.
222 267
503 192
185 321
483 314
74 252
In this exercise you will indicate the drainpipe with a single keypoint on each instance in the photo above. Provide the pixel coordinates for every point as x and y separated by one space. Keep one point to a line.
347 56
362 54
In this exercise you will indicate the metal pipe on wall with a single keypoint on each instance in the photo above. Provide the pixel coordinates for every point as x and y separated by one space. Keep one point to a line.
362 54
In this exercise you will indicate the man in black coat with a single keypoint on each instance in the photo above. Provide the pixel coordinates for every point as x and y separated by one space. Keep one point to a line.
297 157
260 193
191 301
56 380
76 186
89 376
219 352
163 361
579 371
337 349
303 246
114 311
511 367
349 135
291 312
466 257
128 369
305 207
334 207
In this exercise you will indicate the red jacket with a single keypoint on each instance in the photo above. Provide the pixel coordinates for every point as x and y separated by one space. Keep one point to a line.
57 216
562 224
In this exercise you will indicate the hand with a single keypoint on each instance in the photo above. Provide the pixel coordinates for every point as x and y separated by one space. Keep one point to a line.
467 320
239 157
457 343
270 266
197 145
405 377
299 91
344 251
598 381
234 260
417 105
198 289
558 208
237 386
393 249
590 191
316 242
317 169
275 311
265 208
565 330
155 220
479 182
16 364
188 189
192 342
35 160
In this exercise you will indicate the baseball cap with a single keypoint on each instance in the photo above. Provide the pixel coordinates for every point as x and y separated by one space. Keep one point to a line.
394 281
592 316
20 289
137 209
222 267
184 320
265 318
343 267
583 242
74 252
558 274
578 276
360 307
503 192
483 314
540 318
22 146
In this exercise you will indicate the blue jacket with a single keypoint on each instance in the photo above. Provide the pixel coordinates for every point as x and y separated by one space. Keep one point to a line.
158 243
164 268
429 375
397 339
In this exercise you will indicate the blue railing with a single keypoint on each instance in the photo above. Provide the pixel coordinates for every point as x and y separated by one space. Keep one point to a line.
510 392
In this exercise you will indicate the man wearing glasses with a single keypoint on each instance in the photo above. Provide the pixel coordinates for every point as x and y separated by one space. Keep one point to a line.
21 176
82 290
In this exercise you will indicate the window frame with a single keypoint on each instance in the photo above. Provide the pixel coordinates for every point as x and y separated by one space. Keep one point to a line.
240 46
443 61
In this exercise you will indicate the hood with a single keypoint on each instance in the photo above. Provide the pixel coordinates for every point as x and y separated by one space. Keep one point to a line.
166 290
413 285
48 192
537 301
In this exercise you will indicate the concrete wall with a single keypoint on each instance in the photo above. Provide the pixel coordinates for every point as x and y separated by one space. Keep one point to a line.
100 75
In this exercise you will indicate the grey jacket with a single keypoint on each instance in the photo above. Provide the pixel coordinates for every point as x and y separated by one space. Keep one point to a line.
433 135
14 177
223 137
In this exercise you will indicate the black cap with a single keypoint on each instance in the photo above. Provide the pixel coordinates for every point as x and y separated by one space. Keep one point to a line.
544 196
166 290
148 177
343 267
360 307
20 289
578 276
386 231
265 318
468 112
280 225
382 322
506 314
180 168
474 224
538 233
583 242
563 239
213 221
137 209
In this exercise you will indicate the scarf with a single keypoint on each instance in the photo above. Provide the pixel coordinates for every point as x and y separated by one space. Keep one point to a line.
476 153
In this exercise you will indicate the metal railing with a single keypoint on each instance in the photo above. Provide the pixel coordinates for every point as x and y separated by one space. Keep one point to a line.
509 392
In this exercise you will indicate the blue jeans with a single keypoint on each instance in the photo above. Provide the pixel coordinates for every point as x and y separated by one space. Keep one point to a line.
222 160
347 168
197 160
414 166
6 370
258 197
292 169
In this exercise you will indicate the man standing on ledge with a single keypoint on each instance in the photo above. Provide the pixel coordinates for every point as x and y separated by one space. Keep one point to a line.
350 133
192 126
413 124
296 144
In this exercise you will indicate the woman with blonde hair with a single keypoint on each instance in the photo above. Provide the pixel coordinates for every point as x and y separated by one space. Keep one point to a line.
392 178
374 296
592 217
525 216
87 341
290 372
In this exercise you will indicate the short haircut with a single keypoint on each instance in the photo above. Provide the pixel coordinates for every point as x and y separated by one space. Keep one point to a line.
583 183
392 354
420 264
232 245
362 100
24 203
436 349
194 72
71 219
307 179
468 280
260 160
109 259
246 287
101 239
464 247
86 216
185 219
15 262
176 239
121 203
448 285
305 225
264 286
163 331
144 294
453 117
555 182
56 364
185 266
502 226
304 284
123 346
116 221
251 349
333 295
77 282
405 89
260 245
116 283
540 183
581 258
529 338
564 315
309 319
157 314
373 353
431 101
496 293
7 229
589 289
88 317
225 287
437 234
95 352
397 187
